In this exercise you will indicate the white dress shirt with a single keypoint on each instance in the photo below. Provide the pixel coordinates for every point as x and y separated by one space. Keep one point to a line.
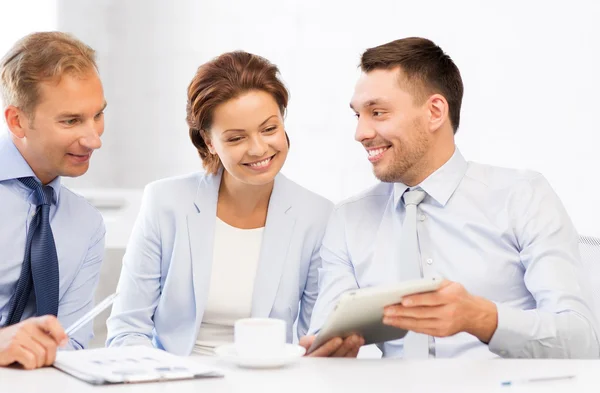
502 233
235 261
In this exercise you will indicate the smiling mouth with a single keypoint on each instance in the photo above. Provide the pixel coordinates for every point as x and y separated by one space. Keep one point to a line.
80 156
377 153
260 164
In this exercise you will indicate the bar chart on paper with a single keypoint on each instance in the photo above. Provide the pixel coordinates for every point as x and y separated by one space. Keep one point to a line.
130 365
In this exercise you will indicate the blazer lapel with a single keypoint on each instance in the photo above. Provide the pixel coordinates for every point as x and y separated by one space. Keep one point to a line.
201 230
277 236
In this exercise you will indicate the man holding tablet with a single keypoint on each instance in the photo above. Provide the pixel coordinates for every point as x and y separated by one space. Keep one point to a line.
513 283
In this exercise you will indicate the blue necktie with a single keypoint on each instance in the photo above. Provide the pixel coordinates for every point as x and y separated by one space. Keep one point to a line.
39 273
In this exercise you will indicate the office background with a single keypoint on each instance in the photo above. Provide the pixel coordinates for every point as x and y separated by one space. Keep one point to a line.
530 69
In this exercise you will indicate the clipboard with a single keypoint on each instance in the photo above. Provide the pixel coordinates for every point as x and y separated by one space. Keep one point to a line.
134 364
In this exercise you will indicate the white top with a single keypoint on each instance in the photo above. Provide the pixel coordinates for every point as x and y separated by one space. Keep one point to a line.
235 261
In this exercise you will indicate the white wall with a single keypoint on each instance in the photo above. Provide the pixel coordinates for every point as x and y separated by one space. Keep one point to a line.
17 20
529 68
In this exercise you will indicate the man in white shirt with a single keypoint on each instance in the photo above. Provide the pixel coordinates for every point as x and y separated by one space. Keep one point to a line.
514 284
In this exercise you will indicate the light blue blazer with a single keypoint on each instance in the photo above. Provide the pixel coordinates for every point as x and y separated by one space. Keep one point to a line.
163 288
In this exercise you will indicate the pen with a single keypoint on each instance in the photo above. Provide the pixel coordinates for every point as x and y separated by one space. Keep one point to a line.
91 314
541 379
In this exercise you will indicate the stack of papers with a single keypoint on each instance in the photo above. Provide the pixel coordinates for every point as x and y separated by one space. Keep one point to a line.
130 365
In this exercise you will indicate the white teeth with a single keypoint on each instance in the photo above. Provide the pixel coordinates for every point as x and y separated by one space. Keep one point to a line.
376 152
261 164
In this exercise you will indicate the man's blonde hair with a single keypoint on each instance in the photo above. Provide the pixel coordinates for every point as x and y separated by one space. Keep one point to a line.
40 57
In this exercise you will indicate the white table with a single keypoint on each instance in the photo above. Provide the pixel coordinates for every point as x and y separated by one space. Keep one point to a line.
343 375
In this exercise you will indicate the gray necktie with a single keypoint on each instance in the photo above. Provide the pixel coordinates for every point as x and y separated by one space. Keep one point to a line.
416 345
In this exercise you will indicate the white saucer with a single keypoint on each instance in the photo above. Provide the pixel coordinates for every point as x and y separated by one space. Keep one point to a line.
290 354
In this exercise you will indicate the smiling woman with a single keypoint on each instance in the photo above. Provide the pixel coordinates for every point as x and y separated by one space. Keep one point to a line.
247 137
257 93
238 240
235 110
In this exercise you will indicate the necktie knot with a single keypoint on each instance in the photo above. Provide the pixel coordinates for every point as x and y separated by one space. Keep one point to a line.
413 197
43 194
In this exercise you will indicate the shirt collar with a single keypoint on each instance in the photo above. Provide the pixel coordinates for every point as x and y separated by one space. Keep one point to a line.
14 166
442 183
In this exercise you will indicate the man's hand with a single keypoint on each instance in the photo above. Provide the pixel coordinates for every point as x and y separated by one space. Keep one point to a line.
445 312
336 347
32 343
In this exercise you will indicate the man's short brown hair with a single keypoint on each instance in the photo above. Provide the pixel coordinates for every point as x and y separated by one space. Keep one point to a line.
40 57
424 69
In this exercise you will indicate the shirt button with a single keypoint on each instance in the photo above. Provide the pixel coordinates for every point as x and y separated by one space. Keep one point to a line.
429 261
422 217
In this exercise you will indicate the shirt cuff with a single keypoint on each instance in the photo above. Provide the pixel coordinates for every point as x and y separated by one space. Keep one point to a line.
72 345
512 332
130 339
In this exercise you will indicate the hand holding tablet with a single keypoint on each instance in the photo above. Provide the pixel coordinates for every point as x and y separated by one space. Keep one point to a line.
360 312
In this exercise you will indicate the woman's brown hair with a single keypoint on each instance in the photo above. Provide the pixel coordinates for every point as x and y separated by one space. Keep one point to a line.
218 81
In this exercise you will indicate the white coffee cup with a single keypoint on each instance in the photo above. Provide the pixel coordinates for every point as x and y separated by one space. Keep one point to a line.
259 337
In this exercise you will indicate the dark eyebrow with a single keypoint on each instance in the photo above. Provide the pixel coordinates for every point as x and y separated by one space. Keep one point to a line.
368 104
261 124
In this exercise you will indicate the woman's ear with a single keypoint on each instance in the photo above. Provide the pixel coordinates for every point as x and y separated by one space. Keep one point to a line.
208 141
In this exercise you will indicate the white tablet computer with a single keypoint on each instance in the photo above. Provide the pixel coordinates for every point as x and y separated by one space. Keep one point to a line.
360 312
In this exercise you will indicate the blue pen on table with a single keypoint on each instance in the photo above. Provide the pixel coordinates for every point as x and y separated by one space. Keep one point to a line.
89 316
541 379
